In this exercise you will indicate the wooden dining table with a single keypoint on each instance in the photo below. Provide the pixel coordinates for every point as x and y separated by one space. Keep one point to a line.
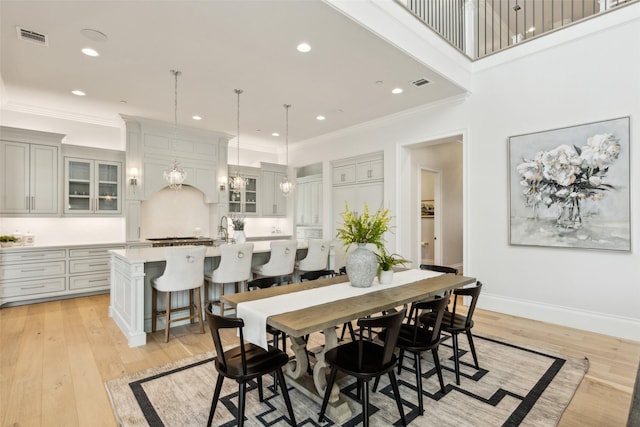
326 316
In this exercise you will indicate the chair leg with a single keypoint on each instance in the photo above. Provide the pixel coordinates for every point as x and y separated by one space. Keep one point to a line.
436 361
241 403
365 404
285 394
456 361
216 396
400 360
167 317
260 392
351 331
396 393
416 357
199 308
327 393
191 311
206 293
154 309
473 348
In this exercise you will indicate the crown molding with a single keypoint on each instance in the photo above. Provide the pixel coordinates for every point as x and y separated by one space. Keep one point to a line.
64 115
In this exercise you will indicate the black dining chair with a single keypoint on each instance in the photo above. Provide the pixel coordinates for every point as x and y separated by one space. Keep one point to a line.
455 323
416 337
367 360
244 363
437 268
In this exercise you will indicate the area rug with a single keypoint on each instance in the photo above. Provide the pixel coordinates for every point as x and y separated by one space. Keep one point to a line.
514 386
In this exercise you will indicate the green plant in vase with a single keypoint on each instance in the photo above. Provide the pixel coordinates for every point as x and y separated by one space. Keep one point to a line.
386 262
363 229
7 240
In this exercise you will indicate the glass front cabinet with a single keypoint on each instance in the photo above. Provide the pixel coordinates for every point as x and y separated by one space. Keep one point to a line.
244 200
92 186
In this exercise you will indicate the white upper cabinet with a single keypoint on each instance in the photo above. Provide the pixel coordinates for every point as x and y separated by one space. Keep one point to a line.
274 203
245 200
309 201
355 170
30 172
92 186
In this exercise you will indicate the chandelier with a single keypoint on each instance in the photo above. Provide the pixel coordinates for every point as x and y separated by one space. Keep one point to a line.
287 186
238 182
175 175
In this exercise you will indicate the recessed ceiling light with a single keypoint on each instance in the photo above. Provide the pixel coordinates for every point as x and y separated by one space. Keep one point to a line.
78 92
396 91
275 134
320 117
303 47
196 118
90 52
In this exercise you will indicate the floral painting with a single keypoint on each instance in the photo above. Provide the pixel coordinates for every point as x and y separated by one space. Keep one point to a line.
569 187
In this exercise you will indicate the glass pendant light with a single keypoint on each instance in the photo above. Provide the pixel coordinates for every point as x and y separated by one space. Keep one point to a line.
175 175
238 182
287 186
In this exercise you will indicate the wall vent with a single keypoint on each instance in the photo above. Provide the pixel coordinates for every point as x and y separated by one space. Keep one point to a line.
420 82
32 36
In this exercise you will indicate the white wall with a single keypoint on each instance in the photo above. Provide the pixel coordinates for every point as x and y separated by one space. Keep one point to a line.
589 79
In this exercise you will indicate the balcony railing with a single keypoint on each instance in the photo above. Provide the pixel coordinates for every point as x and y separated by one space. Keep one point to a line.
482 27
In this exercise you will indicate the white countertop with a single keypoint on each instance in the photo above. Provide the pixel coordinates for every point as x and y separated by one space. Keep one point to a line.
157 254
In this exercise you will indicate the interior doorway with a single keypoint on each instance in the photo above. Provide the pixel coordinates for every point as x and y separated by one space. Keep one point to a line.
429 193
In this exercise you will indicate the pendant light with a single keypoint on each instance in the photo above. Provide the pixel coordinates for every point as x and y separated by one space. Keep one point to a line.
175 175
237 182
287 186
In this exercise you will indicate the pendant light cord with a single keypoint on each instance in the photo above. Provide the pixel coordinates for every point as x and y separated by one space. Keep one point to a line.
238 92
286 139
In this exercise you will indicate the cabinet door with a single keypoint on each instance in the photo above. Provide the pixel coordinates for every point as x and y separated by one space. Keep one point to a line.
273 201
246 199
15 197
108 187
79 191
370 170
302 188
344 175
43 179
315 202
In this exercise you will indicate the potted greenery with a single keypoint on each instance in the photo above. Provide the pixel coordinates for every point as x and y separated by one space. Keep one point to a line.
238 229
8 241
363 229
386 262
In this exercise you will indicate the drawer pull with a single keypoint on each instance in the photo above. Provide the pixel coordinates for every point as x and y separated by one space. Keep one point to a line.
32 256
26 288
33 270
104 264
96 280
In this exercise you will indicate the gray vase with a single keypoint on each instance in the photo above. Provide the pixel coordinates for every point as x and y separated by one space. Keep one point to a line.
362 266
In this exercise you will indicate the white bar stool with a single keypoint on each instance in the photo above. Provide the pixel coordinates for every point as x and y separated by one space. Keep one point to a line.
281 262
234 267
317 257
184 271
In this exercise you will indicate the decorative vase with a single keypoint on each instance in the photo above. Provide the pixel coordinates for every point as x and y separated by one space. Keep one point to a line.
362 266
569 216
385 277
239 237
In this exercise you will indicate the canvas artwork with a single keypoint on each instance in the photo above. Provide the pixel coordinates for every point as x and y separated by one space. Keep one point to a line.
569 187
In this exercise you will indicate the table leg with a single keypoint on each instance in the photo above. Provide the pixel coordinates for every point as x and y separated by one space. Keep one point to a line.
314 387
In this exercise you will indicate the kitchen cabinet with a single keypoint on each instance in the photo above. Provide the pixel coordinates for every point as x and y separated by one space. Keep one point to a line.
369 170
92 186
309 201
30 174
245 200
274 203
32 273
361 169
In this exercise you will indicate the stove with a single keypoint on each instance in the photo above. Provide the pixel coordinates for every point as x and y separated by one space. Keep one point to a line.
181 241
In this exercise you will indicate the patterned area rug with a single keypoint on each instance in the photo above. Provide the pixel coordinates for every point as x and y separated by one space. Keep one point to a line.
515 386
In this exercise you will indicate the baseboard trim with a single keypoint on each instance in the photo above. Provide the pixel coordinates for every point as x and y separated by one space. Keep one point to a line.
617 326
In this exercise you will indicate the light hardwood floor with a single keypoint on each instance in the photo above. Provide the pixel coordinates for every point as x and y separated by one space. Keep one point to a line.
56 356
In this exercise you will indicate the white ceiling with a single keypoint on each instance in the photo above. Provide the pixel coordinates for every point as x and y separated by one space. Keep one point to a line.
219 46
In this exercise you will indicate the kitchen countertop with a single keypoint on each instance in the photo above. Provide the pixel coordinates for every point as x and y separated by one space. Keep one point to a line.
157 254
38 247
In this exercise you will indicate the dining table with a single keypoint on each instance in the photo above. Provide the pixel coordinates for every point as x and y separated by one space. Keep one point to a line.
300 309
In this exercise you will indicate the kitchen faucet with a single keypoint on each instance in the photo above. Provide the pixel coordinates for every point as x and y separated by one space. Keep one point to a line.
224 229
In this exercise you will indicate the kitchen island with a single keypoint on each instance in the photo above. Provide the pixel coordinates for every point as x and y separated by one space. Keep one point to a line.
131 274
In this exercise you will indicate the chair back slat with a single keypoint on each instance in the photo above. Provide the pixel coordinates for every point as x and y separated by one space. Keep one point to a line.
439 268
390 323
314 275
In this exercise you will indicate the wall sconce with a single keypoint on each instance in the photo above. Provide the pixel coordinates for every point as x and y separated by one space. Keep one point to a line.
133 180
223 183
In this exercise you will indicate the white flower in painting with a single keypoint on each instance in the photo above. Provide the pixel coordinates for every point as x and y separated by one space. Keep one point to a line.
595 180
600 150
562 193
561 165
531 171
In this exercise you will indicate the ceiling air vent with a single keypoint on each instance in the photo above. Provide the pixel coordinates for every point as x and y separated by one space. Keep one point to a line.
420 82
32 36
